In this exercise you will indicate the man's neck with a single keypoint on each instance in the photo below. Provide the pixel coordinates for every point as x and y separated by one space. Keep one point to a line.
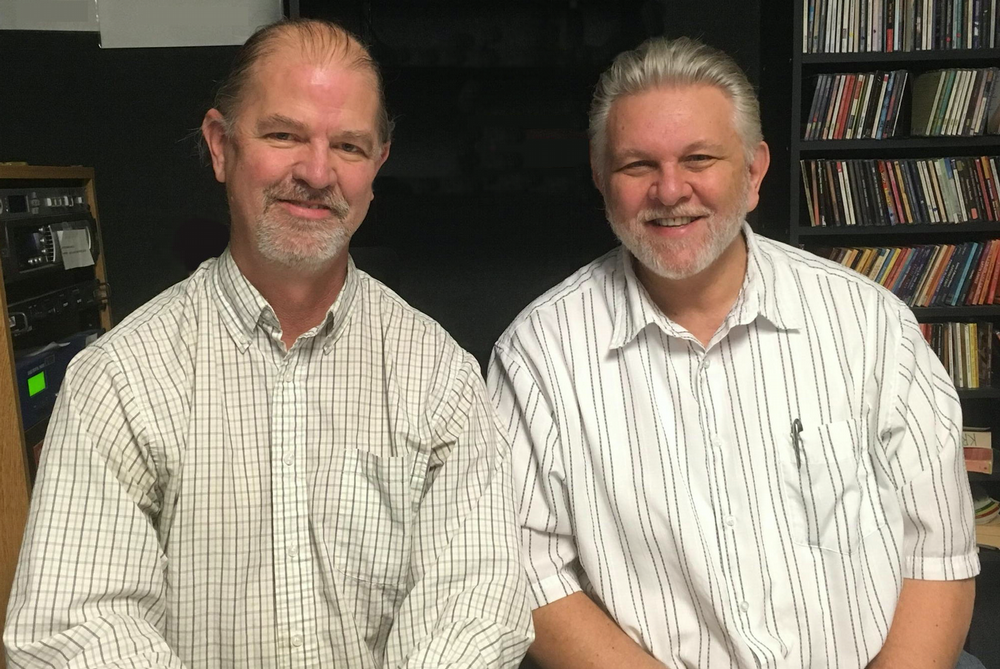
700 303
300 297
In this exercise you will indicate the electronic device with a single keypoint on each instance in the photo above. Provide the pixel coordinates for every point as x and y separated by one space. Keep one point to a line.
19 203
40 374
45 230
33 246
63 305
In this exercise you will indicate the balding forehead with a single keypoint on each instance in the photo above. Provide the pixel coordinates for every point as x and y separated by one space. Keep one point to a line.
320 43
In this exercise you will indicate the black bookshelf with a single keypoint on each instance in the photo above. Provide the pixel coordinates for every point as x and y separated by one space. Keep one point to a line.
785 109
981 406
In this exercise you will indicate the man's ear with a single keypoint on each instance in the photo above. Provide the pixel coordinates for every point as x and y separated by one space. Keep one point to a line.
758 168
383 156
213 129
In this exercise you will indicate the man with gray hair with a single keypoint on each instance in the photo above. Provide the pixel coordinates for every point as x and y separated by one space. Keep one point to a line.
277 462
729 452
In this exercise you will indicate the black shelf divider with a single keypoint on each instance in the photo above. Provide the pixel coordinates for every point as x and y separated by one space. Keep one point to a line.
978 394
922 229
944 144
983 311
866 58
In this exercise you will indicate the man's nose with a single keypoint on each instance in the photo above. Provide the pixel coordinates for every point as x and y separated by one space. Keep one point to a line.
671 187
315 166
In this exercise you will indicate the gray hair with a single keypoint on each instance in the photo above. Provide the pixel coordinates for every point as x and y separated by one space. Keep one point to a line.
663 62
319 38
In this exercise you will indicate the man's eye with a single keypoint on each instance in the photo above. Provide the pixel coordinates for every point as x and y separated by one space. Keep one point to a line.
635 166
700 158
280 136
350 148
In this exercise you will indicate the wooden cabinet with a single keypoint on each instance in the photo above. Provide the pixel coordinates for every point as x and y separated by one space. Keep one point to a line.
15 480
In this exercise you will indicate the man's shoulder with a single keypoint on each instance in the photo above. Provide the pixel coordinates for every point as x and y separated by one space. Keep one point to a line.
163 317
812 272
398 323
599 276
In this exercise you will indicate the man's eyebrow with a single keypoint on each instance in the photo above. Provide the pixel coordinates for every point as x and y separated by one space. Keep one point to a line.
278 121
711 147
629 154
693 147
358 136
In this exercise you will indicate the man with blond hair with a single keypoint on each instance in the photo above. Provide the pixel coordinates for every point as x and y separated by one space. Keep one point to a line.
729 452
277 462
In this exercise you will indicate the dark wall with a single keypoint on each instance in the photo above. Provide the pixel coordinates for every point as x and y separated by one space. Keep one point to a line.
486 198
128 114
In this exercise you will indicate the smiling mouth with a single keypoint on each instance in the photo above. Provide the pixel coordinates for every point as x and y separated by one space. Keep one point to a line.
676 222
306 205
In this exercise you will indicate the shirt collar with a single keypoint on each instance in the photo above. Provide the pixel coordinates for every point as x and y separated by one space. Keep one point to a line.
243 308
766 292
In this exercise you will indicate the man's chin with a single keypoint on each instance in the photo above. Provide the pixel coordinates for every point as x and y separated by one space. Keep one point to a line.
297 261
301 255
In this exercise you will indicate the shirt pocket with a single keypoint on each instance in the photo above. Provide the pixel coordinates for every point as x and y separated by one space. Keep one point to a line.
828 487
374 523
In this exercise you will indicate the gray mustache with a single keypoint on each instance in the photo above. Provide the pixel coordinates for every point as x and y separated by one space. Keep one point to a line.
326 197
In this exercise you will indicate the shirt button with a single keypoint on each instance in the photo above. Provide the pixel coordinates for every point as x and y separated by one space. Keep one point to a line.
706 364
744 606
730 521
288 460
293 551
296 641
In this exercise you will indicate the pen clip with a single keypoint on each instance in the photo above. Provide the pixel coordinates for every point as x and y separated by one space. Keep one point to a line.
797 441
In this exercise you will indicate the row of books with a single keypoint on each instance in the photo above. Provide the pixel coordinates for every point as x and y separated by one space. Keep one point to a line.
965 350
956 102
901 192
852 26
862 105
930 275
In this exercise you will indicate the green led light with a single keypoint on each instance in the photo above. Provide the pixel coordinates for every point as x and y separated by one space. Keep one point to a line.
36 384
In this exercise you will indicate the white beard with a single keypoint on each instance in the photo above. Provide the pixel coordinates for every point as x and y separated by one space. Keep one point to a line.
659 257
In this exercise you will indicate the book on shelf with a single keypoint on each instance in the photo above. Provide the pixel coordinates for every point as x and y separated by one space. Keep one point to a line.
930 275
875 192
965 350
864 105
956 102
979 460
855 26
977 437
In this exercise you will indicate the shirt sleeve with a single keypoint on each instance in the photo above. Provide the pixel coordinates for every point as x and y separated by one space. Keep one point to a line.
547 538
922 441
89 585
468 605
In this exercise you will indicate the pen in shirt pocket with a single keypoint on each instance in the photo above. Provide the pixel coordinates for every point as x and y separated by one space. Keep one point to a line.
797 441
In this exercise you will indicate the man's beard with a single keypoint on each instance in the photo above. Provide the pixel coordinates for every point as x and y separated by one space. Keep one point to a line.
298 242
661 256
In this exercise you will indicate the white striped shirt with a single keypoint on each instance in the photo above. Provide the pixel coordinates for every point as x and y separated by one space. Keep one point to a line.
207 499
661 477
